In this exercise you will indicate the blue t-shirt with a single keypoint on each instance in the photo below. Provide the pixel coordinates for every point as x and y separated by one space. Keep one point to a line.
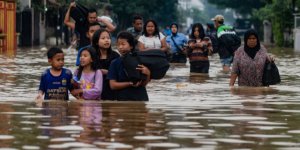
117 72
56 87
180 40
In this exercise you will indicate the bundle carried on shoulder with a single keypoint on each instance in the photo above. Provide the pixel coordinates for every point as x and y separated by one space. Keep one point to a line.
155 60
79 13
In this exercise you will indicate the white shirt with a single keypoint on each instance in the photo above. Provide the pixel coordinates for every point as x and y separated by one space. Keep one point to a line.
151 42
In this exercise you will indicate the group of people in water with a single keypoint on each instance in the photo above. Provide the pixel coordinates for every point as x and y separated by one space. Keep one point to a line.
101 73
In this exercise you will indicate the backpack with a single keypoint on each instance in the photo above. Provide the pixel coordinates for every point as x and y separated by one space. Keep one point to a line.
228 37
155 60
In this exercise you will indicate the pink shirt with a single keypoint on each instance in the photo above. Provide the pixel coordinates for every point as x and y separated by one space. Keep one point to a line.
91 83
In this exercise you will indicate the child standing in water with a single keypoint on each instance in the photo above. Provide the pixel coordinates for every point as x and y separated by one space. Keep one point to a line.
119 81
55 81
88 78
102 43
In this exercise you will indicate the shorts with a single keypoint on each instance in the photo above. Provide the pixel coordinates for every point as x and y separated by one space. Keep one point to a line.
227 61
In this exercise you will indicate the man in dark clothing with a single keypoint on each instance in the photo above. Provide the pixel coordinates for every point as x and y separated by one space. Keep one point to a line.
226 52
81 25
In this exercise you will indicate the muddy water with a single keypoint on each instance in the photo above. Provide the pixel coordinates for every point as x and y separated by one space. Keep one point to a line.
184 112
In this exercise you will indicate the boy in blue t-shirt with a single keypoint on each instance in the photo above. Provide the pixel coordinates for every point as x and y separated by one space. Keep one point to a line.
55 81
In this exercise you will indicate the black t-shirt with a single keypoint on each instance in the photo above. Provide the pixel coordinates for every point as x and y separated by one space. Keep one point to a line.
107 93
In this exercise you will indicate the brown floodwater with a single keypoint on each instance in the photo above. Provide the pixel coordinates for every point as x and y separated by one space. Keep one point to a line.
185 112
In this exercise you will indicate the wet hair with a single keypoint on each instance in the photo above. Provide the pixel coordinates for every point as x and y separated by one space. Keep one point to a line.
92 10
95 61
136 17
127 36
95 41
200 29
53 51
156 30
94 24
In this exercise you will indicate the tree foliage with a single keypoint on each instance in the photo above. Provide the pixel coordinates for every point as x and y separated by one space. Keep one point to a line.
164 12
280 13
243 7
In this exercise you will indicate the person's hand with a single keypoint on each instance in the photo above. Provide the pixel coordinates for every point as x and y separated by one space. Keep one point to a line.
143 69
104 71
270 58
73 4
77 93
39 100
137 84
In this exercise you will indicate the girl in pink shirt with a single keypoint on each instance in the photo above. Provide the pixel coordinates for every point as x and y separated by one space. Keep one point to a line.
88 78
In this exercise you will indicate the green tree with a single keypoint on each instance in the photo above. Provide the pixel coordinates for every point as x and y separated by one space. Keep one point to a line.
243 7
164 12
280 13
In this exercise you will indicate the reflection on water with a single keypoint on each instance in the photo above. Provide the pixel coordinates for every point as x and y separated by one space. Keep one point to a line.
184 111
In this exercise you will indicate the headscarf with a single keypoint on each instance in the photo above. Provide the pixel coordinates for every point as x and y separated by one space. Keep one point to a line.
174 34
251 52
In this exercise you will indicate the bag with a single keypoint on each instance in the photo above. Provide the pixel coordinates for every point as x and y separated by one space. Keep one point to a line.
271 74
228 37
130 62
155 60
79 13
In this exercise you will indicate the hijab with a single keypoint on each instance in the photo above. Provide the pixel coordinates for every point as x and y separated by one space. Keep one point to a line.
174 34
251 52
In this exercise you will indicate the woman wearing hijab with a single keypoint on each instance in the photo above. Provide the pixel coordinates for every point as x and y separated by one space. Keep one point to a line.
176 42
249 61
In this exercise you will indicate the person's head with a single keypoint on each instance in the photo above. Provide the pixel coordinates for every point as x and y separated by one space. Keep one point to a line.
88 57
102 41
174 28
251 39
150 28
55 58
197 31
125 42
93 27
92 15
218 20
137 23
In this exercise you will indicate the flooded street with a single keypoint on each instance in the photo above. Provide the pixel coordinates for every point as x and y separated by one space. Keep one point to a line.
184 112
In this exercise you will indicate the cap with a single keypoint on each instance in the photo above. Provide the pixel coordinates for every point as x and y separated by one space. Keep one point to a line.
218 18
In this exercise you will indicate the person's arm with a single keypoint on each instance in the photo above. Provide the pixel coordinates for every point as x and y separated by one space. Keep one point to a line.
144 70
232 79
39 96
42 87
109 25
141 46
164 46
67 20
115 85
